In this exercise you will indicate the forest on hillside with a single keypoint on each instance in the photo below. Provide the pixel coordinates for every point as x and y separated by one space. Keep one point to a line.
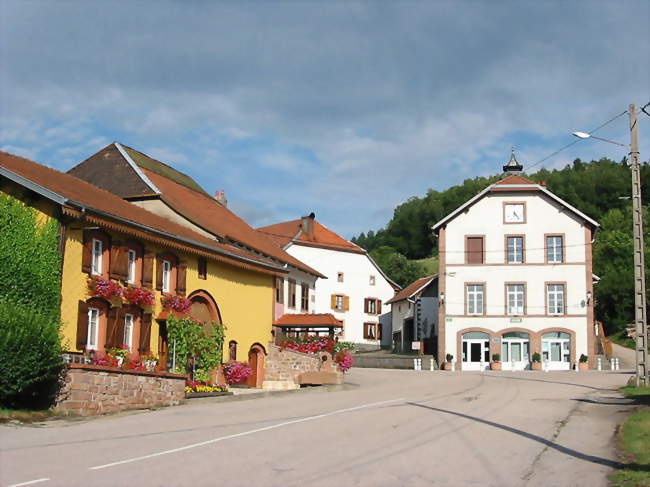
600 189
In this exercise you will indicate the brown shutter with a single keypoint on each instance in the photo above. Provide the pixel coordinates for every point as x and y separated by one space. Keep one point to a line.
181 278
333 301
378 310
113 336
147 269
123 262
365 330
116 252
365 305
87 253
145 333
474 249
159 272
346 303
378 331
82 326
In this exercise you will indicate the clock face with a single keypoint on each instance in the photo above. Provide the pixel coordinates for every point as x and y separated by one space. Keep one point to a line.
514 213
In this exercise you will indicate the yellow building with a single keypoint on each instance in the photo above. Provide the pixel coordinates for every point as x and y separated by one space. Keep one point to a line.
106 239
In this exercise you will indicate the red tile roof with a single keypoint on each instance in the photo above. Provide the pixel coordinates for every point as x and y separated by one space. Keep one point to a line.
321 236
78 191
325 319
411 289
207 213
515 179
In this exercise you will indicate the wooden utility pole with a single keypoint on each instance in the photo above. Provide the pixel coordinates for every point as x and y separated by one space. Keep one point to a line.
642 378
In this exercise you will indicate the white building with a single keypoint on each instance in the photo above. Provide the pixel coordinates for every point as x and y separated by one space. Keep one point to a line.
515 278
355 290
414 316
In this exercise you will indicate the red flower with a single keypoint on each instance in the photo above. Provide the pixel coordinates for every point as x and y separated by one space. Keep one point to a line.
177 303
139 296
105 288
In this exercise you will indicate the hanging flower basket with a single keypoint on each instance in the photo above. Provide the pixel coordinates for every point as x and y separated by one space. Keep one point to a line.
179 304
140 297
107 289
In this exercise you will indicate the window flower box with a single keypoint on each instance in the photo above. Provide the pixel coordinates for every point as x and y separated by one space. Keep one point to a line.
107 289
195 389
180 304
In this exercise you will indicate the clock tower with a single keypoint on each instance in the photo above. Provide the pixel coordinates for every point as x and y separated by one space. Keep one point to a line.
513 166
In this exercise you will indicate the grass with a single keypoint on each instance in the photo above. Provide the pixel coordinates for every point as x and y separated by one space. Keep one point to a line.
620 337
430 264
25 416
634 443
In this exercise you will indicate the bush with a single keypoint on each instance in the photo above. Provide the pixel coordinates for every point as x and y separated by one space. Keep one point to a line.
583 358
32 370
236 372
496 357
537 357
449 357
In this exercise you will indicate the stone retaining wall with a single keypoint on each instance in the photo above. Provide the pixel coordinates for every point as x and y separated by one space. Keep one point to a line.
92 389
287 365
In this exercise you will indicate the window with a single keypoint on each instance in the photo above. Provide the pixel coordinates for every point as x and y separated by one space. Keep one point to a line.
232 351
339 277
554 249
515 250
475 299
97 257
515 298
128 330
131 266
474 250
372 306
166 276
93 328
203 268
279 290
372 280
304 297
555 299
339 302
370 331
292 294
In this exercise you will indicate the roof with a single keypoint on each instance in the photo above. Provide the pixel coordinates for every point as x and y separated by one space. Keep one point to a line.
321 236
291 320
66 189
514 183
205 212
412 289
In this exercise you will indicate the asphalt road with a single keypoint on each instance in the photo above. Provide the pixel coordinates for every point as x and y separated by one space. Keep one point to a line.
389 428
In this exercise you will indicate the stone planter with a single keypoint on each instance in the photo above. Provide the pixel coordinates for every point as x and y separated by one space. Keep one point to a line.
536 365
194 395
447 366
495 365
583 366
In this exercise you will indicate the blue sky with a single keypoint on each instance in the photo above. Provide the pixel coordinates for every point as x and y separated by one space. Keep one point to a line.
342 108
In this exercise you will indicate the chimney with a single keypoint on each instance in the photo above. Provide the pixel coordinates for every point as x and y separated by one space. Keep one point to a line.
220 196
307 225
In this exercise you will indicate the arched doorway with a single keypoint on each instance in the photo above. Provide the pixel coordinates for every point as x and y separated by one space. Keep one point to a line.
515 350
256 362
556 350
475 350
204 307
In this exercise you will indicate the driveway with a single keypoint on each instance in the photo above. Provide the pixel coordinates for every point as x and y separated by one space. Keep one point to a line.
389 428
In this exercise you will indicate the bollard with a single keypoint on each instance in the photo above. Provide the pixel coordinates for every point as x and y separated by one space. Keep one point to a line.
576 367
612 363
453 366
617 363
600 363
431 365
415 364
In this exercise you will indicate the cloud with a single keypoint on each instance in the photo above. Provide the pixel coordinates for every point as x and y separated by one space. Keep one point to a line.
344 108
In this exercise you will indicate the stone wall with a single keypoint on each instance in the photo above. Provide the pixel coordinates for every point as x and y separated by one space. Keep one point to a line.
92 389
287 369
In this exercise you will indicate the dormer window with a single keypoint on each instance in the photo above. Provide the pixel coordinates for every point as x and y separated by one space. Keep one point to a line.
97 257
166 276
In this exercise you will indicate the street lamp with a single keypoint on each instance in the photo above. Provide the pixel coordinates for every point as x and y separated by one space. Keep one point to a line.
642 377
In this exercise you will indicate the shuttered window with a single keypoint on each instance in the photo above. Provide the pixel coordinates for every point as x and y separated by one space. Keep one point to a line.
304 297
127 339
370 331
98 249
203 268
474 250
93 329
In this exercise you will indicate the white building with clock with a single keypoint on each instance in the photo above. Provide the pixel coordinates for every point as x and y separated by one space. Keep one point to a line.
515 278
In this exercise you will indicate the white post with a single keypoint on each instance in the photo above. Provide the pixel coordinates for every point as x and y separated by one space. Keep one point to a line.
612 363
600 363
576 367
453 366
431 364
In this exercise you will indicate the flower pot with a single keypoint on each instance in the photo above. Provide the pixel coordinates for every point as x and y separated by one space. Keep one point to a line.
495 365
536 365
447 366
582 366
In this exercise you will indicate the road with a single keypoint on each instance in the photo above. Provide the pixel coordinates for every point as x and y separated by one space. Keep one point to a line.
388 428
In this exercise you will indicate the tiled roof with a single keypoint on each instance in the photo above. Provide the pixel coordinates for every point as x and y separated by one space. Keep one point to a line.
325 319
285 232
411 289
514 179
79 191
207 213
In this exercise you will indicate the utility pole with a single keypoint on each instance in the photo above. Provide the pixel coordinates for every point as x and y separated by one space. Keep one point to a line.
642 378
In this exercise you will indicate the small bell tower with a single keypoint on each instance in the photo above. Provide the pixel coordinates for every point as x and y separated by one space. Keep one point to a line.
513 167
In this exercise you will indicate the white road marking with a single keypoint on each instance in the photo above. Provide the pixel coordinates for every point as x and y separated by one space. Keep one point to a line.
29 483
244 433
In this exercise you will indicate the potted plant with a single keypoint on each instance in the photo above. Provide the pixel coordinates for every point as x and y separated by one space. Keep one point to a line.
496 362
583 364
537 361
448 358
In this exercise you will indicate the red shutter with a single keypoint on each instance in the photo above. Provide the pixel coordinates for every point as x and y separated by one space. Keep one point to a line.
113 335
181 277
87 253
145 333
123 263
474 250
82 326
116 252
147 269
159 272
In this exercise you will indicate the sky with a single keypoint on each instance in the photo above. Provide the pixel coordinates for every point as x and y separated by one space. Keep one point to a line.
346 109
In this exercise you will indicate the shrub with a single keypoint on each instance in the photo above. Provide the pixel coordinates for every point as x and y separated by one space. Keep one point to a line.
496 357
344 360
32 370
583 358
236 372
449 357
537 357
